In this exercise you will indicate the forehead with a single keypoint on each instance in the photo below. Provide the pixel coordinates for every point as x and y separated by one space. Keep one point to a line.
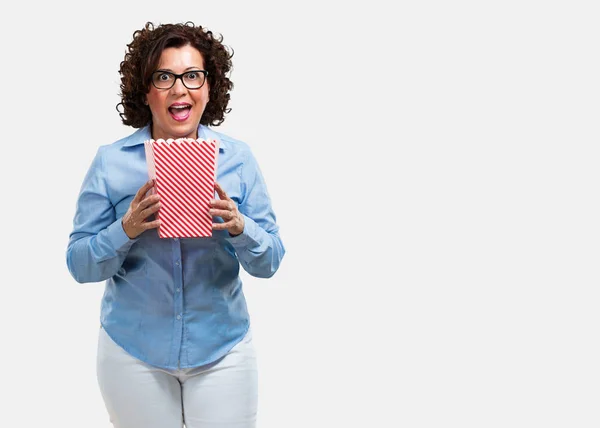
179 59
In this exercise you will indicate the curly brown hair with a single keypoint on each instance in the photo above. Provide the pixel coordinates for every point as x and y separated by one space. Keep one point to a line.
142 58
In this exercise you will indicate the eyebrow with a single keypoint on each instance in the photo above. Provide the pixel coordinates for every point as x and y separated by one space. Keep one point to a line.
189 68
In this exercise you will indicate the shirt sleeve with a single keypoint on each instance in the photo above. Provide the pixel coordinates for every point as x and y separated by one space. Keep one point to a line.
98 244
259 247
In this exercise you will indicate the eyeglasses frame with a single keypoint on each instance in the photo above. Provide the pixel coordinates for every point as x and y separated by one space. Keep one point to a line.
179 76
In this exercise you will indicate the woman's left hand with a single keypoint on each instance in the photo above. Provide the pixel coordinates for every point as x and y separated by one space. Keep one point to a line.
227 210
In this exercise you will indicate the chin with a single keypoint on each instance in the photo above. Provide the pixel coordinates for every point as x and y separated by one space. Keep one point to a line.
184 133
178 130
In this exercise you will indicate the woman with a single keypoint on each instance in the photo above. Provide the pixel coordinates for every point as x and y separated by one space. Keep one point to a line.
175 344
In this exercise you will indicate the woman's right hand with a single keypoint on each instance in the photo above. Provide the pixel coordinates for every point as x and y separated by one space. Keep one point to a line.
134 221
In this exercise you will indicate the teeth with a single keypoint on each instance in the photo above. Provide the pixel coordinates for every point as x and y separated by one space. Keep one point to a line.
186 106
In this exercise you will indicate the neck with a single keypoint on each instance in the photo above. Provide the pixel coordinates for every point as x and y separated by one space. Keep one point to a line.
157 134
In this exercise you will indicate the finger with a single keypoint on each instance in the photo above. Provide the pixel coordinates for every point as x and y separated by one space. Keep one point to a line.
152 199
151 224
221 192
224 214
222 205
150 210
143 190
223 226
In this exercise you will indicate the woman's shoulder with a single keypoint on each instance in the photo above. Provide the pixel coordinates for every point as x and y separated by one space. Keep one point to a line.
228 142
135 138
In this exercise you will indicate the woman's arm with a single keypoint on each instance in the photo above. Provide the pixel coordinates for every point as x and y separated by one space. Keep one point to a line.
98 244
258 247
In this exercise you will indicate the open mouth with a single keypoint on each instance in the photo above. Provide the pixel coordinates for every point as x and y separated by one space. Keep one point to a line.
180 112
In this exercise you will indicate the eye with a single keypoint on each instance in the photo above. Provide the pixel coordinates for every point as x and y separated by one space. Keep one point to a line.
164 77
193 75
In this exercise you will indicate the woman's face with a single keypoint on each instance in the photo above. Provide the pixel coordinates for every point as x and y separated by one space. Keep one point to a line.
181 122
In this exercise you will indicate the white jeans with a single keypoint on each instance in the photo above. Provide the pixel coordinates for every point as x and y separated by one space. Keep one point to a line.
223 394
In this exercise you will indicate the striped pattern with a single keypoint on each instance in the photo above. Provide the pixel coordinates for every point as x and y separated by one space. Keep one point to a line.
185 180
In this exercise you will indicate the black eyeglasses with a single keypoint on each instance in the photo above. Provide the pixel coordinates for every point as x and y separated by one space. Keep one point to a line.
194 79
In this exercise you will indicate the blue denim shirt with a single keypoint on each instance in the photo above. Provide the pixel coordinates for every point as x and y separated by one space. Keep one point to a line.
172 303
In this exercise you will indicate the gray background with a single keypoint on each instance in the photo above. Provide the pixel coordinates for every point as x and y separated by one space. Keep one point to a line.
434 170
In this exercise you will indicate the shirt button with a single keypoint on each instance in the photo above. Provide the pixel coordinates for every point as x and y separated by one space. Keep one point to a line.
177 290
178 317
175 239
177 262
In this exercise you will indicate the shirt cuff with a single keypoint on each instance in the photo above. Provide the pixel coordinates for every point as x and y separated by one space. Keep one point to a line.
246 237
118 238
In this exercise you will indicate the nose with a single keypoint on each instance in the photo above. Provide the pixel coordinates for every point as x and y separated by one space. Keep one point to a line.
178 87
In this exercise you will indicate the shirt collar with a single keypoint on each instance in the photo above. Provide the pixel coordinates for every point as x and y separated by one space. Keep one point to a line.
143 134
